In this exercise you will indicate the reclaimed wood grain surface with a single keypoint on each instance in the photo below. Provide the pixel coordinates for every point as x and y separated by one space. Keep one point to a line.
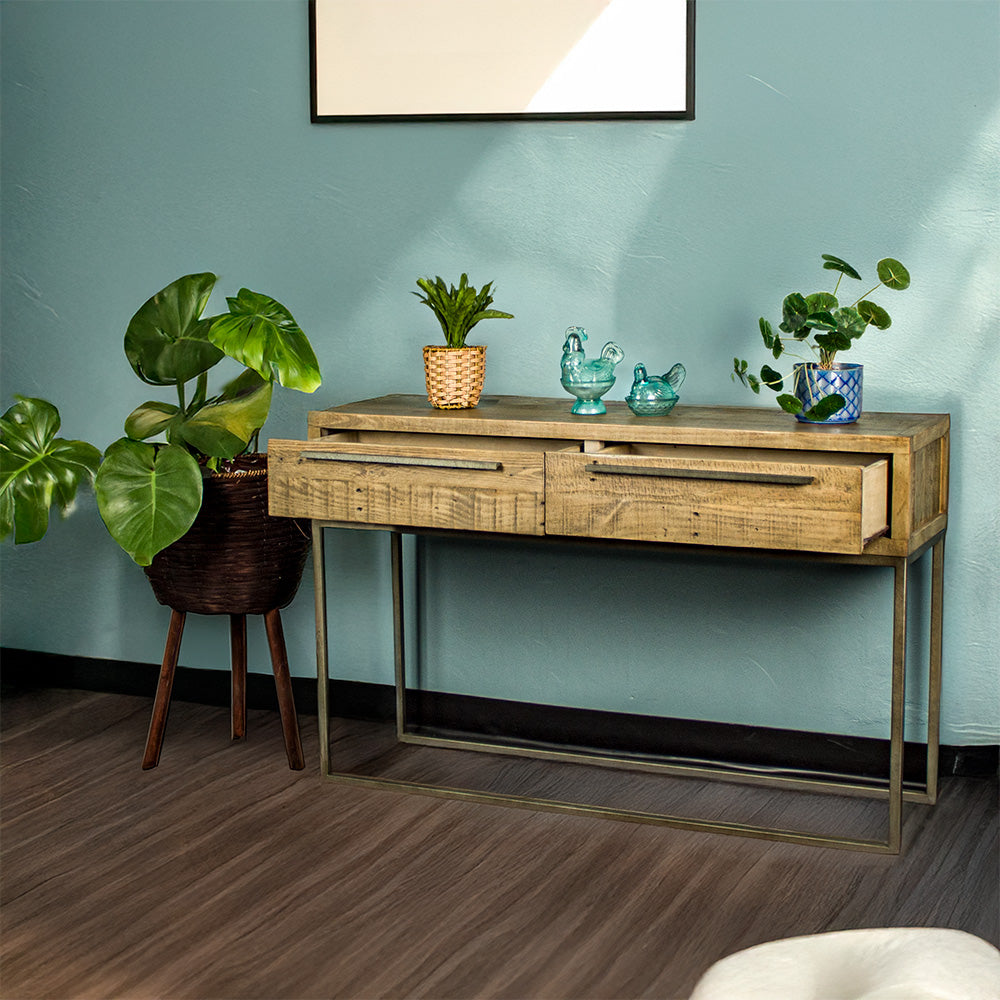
741 426
890 509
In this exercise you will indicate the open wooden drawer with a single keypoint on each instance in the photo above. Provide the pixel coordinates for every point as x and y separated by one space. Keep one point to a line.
453 482
761 498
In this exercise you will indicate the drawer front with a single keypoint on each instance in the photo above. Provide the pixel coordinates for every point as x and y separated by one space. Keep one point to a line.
818 502
397 484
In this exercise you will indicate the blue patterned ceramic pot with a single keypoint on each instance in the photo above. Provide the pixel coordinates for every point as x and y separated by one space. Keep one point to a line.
812 383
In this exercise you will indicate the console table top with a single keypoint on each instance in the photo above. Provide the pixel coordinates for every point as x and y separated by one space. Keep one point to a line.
741 426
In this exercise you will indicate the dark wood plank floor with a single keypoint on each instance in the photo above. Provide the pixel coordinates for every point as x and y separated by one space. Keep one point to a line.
223 874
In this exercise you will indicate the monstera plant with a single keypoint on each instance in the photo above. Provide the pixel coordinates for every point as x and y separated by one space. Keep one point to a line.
37 469
149 484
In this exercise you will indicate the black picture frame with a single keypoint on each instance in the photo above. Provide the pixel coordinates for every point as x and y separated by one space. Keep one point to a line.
352 60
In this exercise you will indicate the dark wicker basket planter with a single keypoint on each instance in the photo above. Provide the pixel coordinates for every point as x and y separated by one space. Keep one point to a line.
235 558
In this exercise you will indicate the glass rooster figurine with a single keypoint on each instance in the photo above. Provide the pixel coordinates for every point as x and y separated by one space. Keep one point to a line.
588 380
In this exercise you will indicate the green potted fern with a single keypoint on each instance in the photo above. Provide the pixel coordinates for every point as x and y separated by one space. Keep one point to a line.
824 390
454 373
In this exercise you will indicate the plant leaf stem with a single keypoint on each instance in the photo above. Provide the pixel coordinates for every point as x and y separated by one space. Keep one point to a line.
870 290
805 359
200 392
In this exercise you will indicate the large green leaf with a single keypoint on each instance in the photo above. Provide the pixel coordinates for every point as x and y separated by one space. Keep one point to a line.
37 469
150 419
148 495
262 334
166 340
892 274
222 428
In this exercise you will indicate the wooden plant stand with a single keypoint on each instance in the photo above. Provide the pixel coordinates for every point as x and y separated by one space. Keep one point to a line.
238 639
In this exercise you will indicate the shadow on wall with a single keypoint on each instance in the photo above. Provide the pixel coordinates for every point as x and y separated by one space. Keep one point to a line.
676 241
746 212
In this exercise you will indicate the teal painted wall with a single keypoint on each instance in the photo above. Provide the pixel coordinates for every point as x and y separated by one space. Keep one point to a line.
145 139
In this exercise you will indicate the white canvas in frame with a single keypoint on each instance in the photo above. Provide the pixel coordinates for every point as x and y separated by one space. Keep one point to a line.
501 58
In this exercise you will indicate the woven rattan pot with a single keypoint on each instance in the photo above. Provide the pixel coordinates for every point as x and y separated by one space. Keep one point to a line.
235 558
454 376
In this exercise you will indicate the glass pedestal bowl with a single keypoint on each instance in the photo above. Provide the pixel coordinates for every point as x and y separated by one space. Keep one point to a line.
588 395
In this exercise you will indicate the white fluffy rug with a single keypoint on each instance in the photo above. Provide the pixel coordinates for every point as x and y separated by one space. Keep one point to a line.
883 963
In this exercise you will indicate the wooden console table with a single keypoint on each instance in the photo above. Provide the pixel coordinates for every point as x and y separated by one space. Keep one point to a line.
725 479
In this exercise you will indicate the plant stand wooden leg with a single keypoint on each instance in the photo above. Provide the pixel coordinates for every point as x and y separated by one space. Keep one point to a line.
161 703
283 685
238 642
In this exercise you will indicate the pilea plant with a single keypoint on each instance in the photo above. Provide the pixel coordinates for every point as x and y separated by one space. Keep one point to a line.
149 492
819 322
459 309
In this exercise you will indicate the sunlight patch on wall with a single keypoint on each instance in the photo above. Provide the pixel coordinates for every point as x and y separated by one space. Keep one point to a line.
632 58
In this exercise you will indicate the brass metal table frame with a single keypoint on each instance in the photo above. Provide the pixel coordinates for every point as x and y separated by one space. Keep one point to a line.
894 792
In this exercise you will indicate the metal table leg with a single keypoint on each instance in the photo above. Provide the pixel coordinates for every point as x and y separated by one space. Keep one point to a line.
895 793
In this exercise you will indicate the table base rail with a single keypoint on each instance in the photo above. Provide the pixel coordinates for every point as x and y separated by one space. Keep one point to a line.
891 788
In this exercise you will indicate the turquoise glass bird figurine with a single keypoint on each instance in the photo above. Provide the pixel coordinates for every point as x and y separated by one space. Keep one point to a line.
588 380
655 395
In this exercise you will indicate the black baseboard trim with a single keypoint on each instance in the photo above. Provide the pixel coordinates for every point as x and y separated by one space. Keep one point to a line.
516 723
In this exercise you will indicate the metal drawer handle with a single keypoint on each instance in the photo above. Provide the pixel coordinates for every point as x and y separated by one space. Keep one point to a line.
729 477
433 463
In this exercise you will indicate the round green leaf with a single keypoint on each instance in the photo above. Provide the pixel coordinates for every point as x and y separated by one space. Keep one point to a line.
772 379
849 322
892 274
826 407
824 302
148 495
790 404
874 314
795 312
37 469
821 321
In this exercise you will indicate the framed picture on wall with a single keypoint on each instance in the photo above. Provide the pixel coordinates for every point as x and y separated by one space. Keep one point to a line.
441 60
